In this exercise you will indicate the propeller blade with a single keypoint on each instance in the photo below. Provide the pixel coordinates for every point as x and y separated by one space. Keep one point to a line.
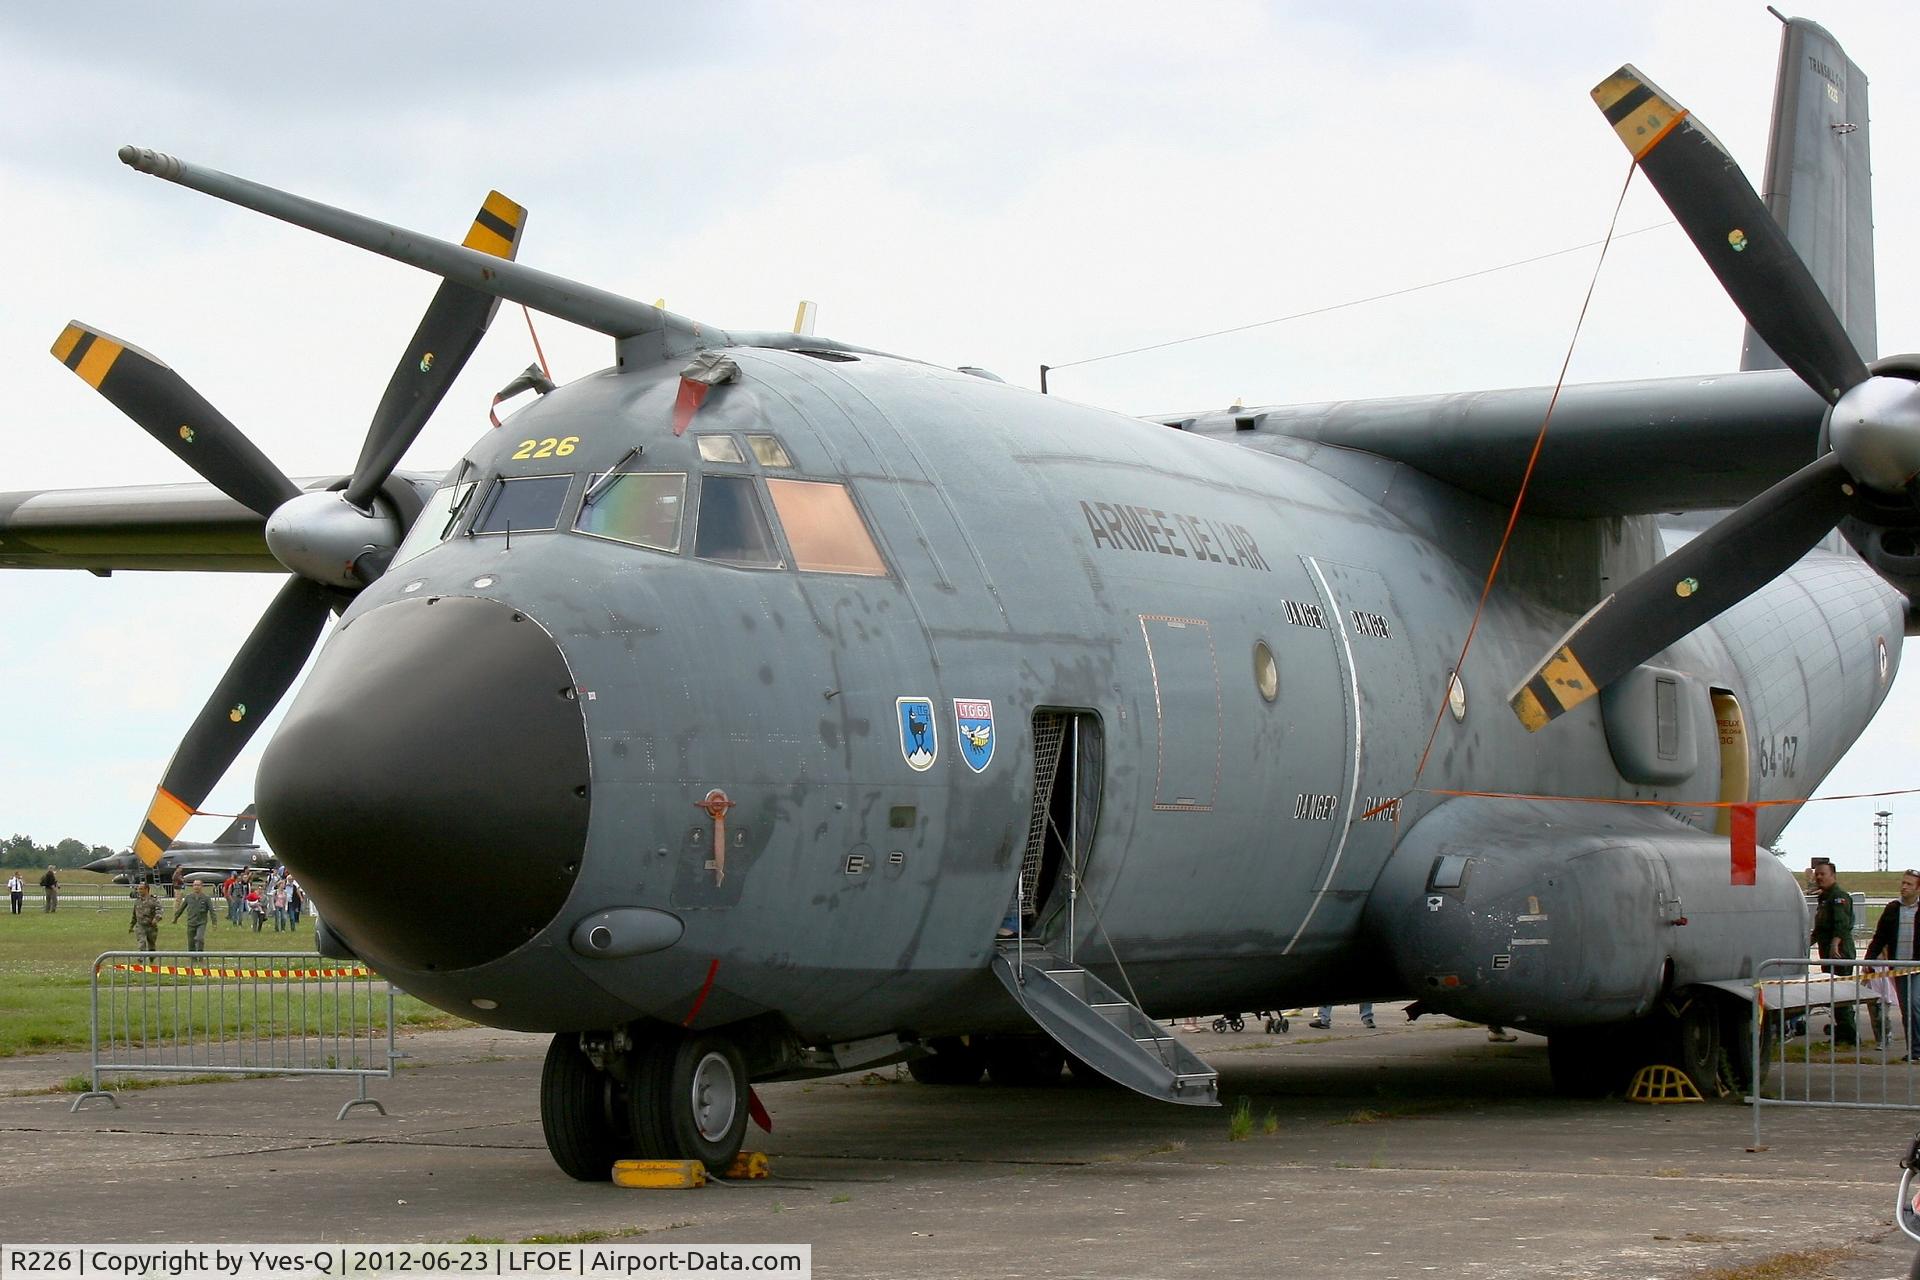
455 321
1715 571
1742 244
153 395
261 673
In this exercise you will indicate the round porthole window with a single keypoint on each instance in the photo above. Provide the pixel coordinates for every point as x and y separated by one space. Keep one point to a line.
1266 673
1456 697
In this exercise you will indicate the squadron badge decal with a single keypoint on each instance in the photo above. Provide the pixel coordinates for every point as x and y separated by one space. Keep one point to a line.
974 721
918 743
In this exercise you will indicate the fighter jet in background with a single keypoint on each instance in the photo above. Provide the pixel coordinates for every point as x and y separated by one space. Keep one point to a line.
234 849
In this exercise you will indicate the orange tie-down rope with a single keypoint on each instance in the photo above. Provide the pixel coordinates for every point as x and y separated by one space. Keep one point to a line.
1526 476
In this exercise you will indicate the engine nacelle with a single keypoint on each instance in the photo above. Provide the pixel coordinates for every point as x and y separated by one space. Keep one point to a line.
1884 527
1507 912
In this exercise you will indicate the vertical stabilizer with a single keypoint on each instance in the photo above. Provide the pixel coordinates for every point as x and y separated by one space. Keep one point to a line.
240 830
1818 186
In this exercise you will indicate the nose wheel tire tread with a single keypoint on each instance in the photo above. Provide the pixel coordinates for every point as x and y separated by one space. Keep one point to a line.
579 1112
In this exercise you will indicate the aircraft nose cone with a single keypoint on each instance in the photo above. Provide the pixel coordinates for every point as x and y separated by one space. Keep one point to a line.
429 785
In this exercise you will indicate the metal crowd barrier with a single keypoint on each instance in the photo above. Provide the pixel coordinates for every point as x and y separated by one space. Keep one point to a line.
239 1013
1802 1054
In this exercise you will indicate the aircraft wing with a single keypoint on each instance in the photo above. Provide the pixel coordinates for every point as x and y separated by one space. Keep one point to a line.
1614 448
157 526
206 861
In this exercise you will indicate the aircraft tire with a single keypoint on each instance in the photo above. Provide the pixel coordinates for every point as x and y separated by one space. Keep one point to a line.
579 1112
1694 1044
952 1062
1024 1061
649 1077
1585 1062
705 1105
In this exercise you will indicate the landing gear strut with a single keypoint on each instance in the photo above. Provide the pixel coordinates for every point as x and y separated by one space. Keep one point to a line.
674 1095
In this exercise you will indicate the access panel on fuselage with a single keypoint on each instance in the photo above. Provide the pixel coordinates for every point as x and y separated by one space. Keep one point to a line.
1186 703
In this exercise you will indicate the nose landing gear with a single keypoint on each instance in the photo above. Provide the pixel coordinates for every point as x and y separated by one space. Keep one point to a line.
688 1100
583 1111
672 1095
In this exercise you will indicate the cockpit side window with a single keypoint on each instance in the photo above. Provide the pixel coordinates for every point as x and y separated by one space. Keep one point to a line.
641 508
769 452
436 521
733 528
523 504
719 448
824 528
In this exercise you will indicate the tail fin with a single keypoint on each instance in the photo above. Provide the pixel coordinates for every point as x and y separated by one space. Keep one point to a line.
240 830
1818 187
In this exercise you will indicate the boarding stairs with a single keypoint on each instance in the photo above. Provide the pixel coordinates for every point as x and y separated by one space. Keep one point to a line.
1093 1023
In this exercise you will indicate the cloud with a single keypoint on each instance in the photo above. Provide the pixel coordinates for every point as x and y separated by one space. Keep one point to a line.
1002 184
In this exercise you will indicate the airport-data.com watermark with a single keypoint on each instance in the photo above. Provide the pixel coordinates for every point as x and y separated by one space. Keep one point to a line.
608 1261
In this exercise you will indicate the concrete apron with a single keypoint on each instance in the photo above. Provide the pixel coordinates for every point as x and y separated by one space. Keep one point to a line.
1406 1151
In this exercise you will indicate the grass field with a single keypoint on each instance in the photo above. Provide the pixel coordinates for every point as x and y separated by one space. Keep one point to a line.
1875 884
46 964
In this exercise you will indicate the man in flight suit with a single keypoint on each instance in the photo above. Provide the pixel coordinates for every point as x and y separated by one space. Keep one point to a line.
197 906
146 918
1833 940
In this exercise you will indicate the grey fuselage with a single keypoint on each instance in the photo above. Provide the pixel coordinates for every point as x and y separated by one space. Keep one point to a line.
1234 851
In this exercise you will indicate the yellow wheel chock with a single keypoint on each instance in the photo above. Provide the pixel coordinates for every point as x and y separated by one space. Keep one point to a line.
681 1174
1660 1083
748 1164
659 1174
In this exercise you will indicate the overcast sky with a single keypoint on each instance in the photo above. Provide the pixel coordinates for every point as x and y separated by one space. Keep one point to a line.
994 184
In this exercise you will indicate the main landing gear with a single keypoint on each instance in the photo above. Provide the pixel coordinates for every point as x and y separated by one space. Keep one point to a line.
668 1095
1704 1033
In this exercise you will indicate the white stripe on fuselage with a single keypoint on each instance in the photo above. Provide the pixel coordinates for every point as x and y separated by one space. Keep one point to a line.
1359 732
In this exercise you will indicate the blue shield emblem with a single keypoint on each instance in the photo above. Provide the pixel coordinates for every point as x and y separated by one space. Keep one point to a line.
974 721
918 742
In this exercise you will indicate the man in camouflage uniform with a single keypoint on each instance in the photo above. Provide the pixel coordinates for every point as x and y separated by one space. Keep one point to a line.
197 906
146 918
1833 940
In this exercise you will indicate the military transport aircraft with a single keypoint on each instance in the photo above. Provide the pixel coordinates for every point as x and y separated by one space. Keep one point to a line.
726 704
234 849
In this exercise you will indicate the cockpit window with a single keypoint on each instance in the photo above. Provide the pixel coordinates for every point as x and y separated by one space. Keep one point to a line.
436 521
642 508
733 528
769 452
718 448
520 504
824 528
